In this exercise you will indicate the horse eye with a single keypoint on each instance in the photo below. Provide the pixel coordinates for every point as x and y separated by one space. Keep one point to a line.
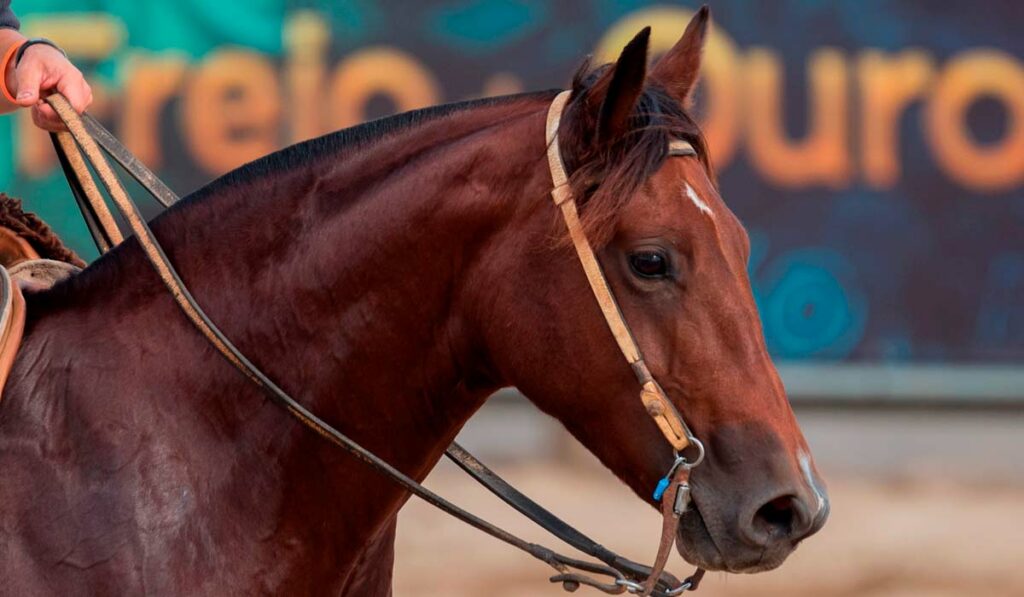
649 264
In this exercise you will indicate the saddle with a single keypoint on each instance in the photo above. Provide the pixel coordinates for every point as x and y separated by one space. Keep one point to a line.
21 268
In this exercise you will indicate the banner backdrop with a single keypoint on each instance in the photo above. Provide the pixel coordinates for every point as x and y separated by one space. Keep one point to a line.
874 150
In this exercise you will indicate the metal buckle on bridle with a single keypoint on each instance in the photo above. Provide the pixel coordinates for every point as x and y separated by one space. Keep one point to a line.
634 587
699 458
571 581
681 461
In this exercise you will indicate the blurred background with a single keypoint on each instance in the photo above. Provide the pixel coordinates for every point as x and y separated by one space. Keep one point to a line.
874 150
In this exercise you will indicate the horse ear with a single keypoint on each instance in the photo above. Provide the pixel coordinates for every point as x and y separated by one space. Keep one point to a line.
678 69
623 89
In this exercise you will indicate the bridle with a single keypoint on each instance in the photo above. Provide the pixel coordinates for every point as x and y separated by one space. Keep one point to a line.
86 135
673 491
657 404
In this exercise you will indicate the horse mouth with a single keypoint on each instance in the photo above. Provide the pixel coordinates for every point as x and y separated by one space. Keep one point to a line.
695 543
698 546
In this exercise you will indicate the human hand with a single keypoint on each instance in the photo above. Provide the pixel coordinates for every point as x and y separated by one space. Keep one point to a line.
44 70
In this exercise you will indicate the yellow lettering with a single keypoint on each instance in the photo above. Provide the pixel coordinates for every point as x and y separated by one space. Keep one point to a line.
822 156
719 97
93 36
149 85
230 109
888 84
969 76
379 71
306 38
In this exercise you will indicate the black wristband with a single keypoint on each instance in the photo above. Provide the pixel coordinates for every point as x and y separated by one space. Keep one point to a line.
34 42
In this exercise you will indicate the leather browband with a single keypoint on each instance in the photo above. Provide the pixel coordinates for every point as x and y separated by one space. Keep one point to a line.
657 404
679 147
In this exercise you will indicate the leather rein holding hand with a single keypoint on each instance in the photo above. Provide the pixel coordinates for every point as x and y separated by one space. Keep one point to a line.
86 135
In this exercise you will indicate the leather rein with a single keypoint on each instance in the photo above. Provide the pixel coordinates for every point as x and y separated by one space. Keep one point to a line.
615 574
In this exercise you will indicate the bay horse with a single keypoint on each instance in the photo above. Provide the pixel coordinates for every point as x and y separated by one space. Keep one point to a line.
391 276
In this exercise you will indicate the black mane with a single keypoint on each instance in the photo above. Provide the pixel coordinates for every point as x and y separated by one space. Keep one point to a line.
351 138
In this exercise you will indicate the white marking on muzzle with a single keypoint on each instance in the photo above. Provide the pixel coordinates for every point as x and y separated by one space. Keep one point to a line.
805 466
703 207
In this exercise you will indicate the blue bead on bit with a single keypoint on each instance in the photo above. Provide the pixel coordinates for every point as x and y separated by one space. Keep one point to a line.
660 489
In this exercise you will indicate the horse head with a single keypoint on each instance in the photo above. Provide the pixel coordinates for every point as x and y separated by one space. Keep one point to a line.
675 257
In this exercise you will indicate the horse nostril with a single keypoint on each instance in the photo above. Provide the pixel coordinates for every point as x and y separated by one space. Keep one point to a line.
776 517
784 518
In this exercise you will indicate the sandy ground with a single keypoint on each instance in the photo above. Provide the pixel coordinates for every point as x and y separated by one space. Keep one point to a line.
886 536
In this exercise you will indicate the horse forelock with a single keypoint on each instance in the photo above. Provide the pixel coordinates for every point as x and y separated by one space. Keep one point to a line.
605 178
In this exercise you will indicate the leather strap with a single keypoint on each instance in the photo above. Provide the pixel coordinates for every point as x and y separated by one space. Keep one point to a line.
549 522
655 401
98 218
82 131
672 507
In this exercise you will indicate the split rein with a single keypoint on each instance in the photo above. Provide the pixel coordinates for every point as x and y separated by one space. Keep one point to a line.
620 575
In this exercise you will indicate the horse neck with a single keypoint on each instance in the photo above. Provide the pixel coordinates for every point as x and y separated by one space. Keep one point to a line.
345 281
358 269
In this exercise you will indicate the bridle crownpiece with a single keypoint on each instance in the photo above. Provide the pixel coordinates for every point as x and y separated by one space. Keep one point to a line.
654 399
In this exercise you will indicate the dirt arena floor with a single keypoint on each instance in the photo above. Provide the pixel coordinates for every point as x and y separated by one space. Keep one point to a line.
886 537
